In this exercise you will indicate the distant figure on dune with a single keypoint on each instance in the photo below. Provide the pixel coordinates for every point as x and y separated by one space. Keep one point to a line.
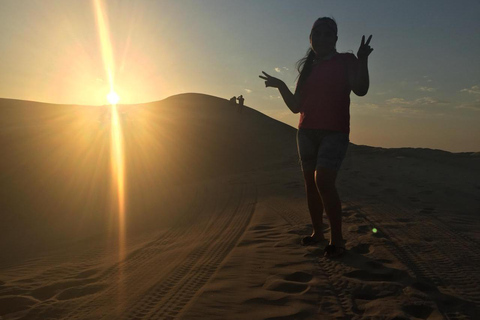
240 104
233 100
322 97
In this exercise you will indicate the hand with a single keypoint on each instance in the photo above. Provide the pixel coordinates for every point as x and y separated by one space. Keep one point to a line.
271 81
364 50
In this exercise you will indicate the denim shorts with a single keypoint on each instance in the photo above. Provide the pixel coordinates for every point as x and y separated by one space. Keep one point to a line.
321 148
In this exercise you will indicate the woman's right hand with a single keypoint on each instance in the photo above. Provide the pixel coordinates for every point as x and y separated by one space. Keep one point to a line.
271 81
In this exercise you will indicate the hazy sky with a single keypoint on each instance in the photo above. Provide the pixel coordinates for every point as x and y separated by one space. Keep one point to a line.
424 70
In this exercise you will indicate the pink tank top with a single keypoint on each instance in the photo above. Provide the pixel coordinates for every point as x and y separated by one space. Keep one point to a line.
325 96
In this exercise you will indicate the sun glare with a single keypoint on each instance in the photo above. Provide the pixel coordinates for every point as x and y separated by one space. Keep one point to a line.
117 151
113 98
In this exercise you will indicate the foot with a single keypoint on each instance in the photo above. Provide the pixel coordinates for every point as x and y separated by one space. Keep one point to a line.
333 251
337 242
312 240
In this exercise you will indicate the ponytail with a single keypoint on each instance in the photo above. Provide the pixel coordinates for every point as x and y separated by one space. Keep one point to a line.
304 67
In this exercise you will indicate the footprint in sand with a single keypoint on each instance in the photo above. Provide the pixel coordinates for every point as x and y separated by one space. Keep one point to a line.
424 286
418 310
374 264
293 283
361 297
347 213
379 234
373 292
80 291
267 302
380 274
50 290
363 248
383 261
354 219
351 208
362 229
306 314
292 264
288 287
11 304
299 277
367 229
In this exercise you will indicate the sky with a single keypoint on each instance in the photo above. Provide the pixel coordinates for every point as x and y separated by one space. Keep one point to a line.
424 70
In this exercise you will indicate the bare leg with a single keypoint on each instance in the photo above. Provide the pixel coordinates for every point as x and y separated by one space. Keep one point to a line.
315 205
325 180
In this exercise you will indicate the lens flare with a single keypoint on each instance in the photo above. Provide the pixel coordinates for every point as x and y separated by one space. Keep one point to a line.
118 176
117 150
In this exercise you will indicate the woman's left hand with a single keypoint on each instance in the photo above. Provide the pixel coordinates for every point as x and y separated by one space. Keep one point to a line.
364 50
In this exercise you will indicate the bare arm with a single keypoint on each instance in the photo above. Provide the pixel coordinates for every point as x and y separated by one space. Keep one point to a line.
288 97
359 79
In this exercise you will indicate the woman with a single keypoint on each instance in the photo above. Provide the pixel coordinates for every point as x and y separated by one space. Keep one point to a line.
322 97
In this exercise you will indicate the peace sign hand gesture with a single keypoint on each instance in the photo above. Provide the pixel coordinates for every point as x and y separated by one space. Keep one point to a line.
271 81
364 50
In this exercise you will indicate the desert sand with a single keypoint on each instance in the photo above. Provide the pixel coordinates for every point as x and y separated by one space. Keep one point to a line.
215 210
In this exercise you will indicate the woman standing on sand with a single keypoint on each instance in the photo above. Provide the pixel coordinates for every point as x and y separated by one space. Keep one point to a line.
322 97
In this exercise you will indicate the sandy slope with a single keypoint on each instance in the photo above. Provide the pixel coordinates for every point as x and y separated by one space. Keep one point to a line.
215 212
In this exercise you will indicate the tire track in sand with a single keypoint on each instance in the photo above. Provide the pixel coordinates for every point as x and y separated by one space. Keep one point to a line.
143 258
186 260
142 267
167 298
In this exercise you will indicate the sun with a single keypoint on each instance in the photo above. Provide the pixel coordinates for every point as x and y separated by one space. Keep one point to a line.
113 98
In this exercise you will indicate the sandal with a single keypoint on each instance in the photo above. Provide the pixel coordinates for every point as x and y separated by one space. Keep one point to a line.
332 251
309 241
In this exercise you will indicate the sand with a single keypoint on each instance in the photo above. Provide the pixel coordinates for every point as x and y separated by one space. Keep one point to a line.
215 210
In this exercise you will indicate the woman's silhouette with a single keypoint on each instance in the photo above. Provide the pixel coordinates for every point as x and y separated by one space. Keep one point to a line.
322 97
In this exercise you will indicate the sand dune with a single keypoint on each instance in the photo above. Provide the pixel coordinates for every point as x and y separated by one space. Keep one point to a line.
215 210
